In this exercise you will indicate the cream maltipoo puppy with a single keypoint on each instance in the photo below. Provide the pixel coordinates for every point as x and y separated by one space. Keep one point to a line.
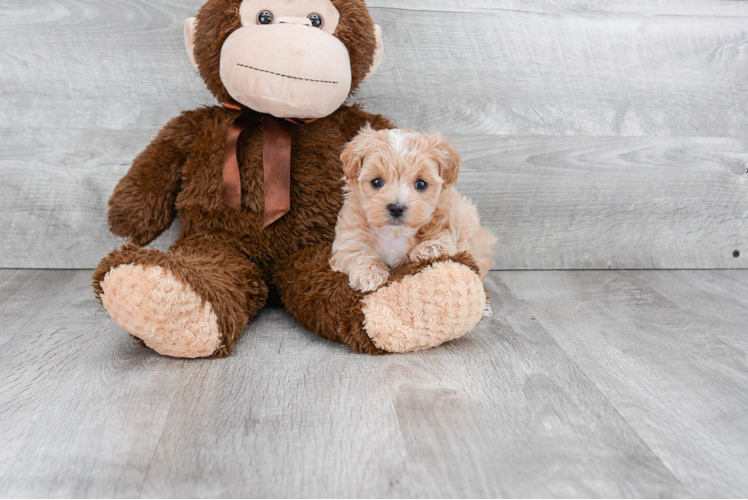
401 205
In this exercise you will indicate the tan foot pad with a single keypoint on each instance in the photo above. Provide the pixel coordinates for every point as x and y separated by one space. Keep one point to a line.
441 303
152 305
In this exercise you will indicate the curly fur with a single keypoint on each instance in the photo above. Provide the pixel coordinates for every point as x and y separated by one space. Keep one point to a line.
434 222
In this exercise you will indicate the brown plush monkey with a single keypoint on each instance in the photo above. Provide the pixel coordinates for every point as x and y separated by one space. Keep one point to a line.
252 228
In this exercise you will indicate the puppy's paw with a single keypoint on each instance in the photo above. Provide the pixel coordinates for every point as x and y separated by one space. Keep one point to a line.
427 250
368 279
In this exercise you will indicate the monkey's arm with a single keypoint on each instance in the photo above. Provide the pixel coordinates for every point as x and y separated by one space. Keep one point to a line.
143 204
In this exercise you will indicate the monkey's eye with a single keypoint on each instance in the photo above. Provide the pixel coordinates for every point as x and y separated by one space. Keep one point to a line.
265 17
316 20
422 185
377 183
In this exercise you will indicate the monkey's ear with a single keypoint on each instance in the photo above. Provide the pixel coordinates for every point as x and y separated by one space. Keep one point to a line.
378 54
189 39
354 153
447 158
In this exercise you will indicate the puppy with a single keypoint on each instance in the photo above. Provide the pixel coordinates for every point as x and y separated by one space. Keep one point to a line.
401 205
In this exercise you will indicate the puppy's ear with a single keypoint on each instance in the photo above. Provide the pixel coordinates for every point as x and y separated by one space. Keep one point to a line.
447 158
354 153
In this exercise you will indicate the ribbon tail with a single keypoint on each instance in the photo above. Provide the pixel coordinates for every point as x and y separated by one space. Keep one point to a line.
276 153
232 182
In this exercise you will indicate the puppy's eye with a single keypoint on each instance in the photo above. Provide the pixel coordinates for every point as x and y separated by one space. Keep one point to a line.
316 20
377 183
265 17
422 185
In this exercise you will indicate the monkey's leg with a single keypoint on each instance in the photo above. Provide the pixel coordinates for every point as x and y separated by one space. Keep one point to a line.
192 302
422 306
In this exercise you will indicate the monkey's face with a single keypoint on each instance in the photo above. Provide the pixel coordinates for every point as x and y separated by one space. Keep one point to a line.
285 57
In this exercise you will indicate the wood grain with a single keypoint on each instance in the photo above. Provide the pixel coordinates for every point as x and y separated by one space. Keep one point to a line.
503 412
554 203
583 384
610 203
673 8
85 85
563 71
727 305
529 68
74 418
659 360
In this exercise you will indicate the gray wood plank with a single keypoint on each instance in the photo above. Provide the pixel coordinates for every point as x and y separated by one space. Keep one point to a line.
77 416
662 364
515 71
85 412
440 424
531 67
82 94
553 202
54 215
610 203
529 424
726 305
677 8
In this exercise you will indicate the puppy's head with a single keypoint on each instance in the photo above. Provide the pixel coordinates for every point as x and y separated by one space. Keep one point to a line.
399 175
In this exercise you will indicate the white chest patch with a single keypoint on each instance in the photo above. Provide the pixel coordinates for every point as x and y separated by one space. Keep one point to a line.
393 244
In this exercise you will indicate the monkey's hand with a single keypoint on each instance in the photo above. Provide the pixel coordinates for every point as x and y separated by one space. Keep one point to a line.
143 204
138 215
427 250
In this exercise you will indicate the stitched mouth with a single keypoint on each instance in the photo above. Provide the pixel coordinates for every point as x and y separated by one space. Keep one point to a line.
290 77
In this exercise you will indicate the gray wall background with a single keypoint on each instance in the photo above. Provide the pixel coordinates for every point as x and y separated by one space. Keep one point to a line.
595 134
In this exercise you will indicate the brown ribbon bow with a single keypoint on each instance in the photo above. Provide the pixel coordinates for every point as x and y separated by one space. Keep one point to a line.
276 153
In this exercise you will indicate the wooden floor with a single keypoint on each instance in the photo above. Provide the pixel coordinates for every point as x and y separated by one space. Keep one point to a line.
584 383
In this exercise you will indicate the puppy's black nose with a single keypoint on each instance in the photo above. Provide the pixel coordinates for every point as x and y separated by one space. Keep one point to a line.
396 210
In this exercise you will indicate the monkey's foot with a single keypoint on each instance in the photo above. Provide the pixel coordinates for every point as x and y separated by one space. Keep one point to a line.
442 302
166 315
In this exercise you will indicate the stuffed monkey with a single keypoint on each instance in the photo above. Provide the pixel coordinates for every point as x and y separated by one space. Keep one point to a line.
258 184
